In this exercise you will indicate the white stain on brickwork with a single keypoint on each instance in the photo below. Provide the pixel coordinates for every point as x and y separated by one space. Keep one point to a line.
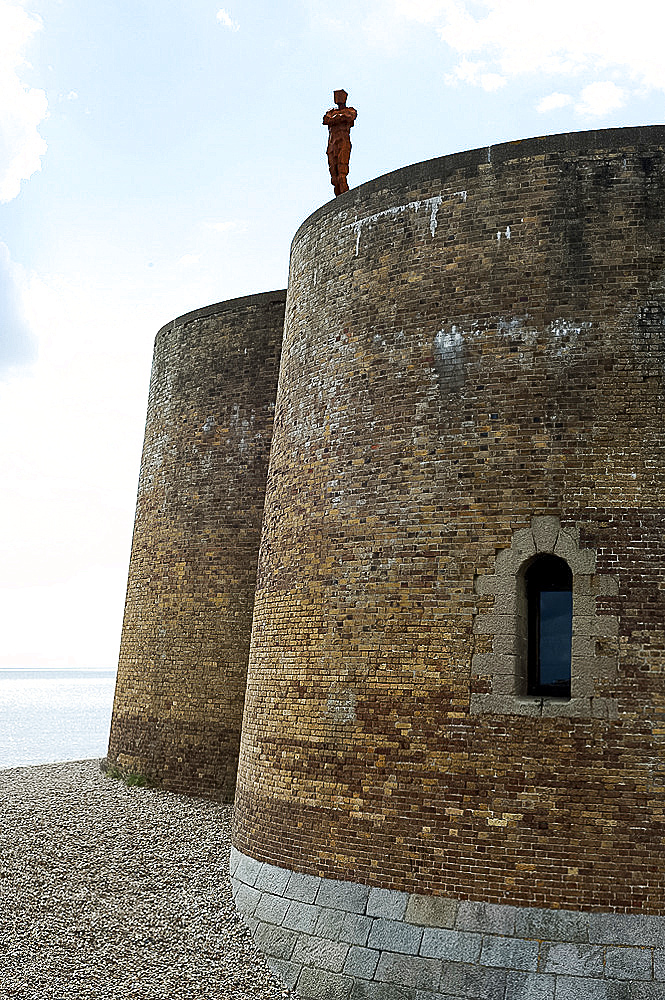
449 342
505 232
341 706
516 328
561 337
431 205
436 204
566 335
157 453
448 354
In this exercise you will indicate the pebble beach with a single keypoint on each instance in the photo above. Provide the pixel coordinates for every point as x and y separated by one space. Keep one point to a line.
116 892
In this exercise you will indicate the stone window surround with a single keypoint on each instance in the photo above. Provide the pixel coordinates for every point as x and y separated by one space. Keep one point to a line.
506 623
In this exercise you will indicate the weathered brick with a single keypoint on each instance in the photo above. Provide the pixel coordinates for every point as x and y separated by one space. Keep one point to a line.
455 946
484 383
509 953
361 962
633 964
485 917
323 985
387 903
572 959
271 909
301 916
474 981
408 970
342 895
320 953
431 911
393 935
552 925
529 986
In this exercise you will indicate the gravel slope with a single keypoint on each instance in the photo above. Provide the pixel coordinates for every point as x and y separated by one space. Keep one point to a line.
115 892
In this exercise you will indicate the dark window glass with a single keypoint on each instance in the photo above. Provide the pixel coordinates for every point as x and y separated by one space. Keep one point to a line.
549 590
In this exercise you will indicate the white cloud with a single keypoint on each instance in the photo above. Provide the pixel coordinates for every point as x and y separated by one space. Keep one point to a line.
72 96
80 615
516 37
189 259
476 73
492 81
421 10
327 18
71 449
226 227
17 340
225 18
22 108
553 102
598 99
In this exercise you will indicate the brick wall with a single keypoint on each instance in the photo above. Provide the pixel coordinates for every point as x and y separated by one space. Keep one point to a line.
185 640
471 344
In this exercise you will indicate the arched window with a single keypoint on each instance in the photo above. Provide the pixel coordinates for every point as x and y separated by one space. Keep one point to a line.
549 594
525 629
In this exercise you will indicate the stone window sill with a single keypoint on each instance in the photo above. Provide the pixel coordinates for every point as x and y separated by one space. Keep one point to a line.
543 706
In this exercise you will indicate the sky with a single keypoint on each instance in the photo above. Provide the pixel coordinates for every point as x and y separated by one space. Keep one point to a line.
157 157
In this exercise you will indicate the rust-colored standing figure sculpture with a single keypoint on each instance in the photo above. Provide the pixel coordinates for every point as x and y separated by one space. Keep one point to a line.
339 121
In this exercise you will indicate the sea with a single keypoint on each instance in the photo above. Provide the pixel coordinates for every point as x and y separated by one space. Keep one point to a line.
54 715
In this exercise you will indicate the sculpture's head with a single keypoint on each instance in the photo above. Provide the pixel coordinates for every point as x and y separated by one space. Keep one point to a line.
340 98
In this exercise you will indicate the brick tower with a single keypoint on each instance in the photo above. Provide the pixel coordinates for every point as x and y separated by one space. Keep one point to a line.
188 614
469 432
